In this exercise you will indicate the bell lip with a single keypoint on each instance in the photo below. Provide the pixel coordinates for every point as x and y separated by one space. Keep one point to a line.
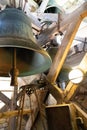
22 43
37 48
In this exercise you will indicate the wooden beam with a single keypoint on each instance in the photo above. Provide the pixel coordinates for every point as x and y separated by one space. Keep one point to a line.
5 99
66 43
46 34
63 50
41 94
65 21
9 114
79 12
4 108
56 92
70 91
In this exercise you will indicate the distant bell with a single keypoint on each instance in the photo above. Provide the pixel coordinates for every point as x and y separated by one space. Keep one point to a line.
16 32
53 7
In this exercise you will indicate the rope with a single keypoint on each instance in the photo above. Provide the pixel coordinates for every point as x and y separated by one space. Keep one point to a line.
29 95
20 113
31 109
40 109
58 27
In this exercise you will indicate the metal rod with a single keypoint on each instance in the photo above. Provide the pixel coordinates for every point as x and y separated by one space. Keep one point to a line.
20 113
14 72
14 58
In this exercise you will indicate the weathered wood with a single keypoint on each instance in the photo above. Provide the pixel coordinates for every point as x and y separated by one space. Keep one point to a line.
41 94
44 35
66 20
56 92
63 50
5 99
69 94
4 108
8 101
67 41
79 12
9 114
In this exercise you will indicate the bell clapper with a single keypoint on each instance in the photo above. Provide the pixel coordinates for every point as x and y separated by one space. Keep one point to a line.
14 71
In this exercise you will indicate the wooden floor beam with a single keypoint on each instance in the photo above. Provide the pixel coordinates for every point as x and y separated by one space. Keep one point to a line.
9 114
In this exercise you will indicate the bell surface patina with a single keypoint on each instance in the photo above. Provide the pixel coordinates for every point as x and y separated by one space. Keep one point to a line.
16 32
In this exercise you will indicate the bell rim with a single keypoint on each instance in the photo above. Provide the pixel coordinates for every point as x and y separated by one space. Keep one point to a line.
38 48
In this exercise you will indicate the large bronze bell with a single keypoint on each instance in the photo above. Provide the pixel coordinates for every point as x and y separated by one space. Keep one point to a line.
18 48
